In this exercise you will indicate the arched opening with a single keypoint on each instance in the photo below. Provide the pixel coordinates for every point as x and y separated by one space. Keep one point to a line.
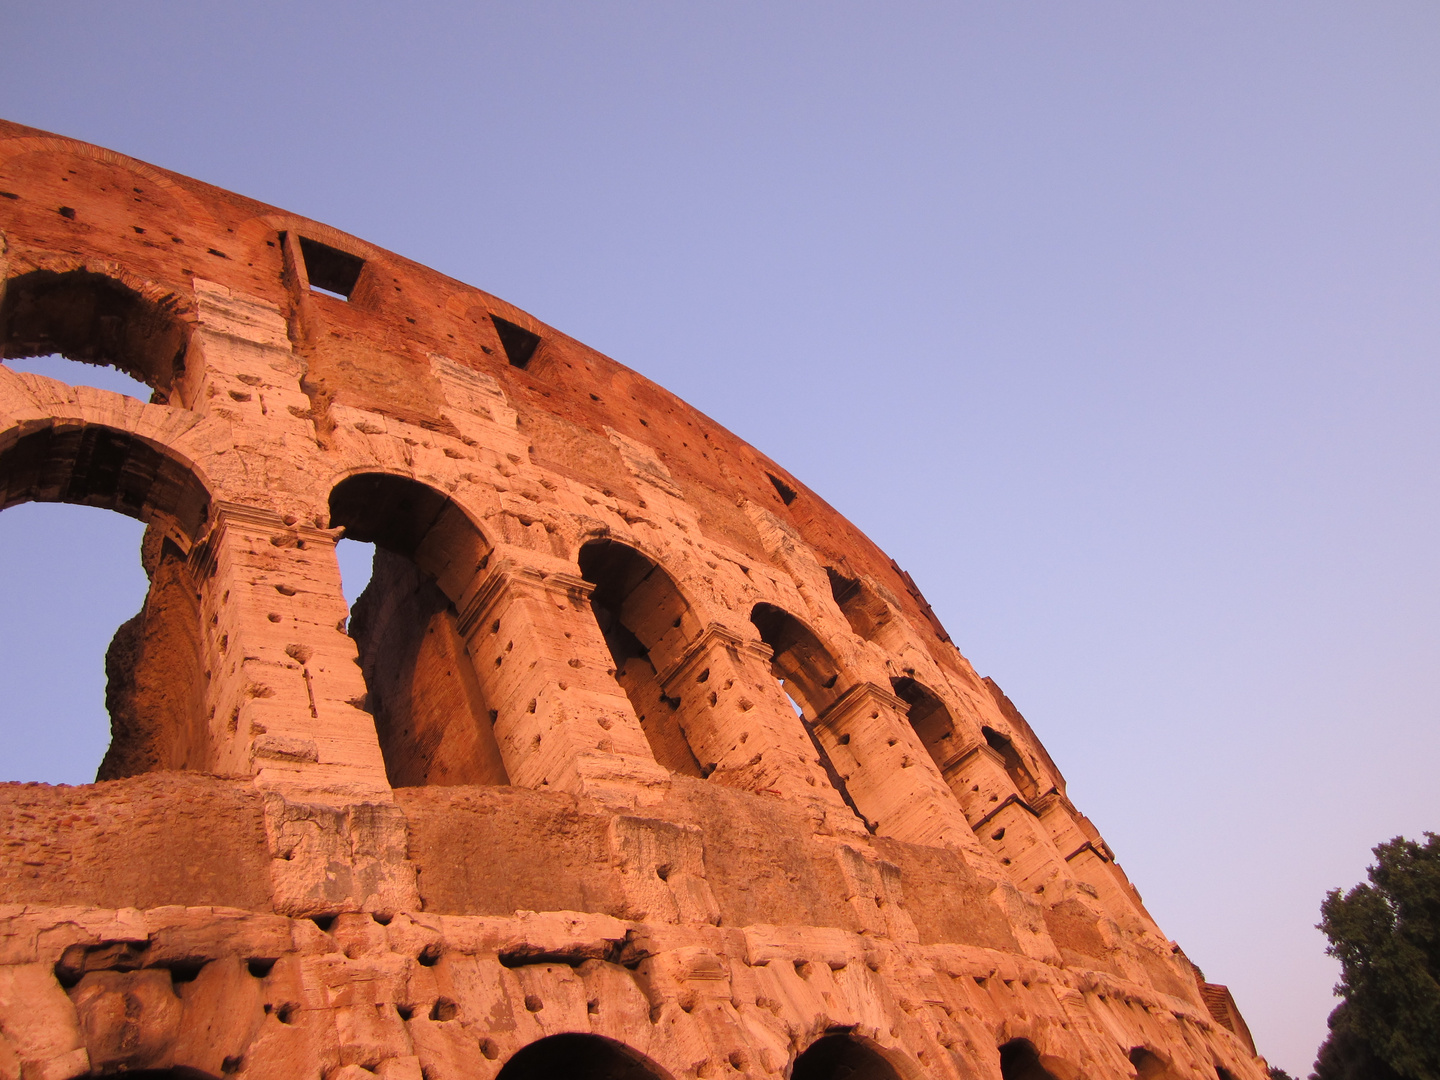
1148 1066
94 319
647 625
155 662
865 610
1020 776
930 719
842 1057
579 1057
807 674
1019 1060
431 716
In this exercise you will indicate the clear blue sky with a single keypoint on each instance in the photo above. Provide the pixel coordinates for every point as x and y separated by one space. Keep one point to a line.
1115 323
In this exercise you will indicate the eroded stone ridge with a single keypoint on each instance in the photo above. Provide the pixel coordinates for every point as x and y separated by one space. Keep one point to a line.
634 760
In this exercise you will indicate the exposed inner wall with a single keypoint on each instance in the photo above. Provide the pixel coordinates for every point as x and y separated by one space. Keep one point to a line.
571 688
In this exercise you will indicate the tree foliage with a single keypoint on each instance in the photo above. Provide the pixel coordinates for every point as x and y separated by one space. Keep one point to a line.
1386 936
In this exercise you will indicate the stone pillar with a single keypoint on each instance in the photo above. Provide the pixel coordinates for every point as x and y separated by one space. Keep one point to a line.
285 703
1090 858
1004 822
561 720
887 771
285 692
738 722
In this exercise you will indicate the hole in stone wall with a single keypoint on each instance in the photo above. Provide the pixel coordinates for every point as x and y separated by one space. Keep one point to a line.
1015 767
77 373
865 610
1148 1066
807 674
1019 1060
579 1057
329 269
431 716
930 719
646 624
95 320
784 490
519 344
82 567
357 564
71 577
842 1057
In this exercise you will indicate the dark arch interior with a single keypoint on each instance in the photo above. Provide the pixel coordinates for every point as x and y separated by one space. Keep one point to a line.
842 1057
647 625
930 719
864 610
1020 775
431 716
806 672
579 1057
1019 1060
96 320
100 466
1148 1066
155 662
801 663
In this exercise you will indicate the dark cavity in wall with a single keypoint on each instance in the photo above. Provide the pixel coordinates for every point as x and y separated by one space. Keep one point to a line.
519 344
330 269
784 490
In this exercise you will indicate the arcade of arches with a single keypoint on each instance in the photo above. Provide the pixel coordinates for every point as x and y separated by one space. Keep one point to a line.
633 761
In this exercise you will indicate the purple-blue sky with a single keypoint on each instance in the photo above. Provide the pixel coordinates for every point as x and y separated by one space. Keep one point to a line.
1116 324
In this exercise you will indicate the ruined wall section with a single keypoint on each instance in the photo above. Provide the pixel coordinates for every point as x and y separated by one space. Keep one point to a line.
826 870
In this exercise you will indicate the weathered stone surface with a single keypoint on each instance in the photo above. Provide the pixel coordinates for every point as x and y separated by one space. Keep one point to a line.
636 759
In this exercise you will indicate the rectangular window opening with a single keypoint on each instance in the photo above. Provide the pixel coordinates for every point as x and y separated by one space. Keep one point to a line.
519 344
330 270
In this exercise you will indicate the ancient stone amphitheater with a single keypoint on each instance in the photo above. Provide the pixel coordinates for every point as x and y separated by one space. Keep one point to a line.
635 759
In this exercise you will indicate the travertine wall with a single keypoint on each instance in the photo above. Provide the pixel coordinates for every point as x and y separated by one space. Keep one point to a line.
554 784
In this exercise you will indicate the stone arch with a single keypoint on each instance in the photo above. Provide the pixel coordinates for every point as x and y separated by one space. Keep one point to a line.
156 661
1020 1060
96 318
647 624
808 674
869 614
431 714
579 1056
930 718
844 1056
1019 772
805 667
1149 1065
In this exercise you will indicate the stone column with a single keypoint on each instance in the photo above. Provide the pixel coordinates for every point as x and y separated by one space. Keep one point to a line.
284 697
888 772
285 691
1090 858
738 722
1004 822
561 720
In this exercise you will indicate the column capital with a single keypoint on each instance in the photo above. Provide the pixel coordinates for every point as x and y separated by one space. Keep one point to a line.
856 700
507 575
698 651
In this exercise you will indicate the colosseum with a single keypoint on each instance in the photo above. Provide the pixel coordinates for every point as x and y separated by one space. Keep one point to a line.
634 761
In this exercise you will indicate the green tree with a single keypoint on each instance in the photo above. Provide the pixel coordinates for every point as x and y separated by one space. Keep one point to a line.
1386 936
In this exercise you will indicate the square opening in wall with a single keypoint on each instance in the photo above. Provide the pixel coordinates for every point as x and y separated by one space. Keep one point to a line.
329 269
519 343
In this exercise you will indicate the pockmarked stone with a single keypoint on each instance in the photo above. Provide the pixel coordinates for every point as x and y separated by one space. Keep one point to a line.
634 759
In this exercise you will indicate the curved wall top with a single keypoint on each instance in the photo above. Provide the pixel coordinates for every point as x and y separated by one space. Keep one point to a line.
535 784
